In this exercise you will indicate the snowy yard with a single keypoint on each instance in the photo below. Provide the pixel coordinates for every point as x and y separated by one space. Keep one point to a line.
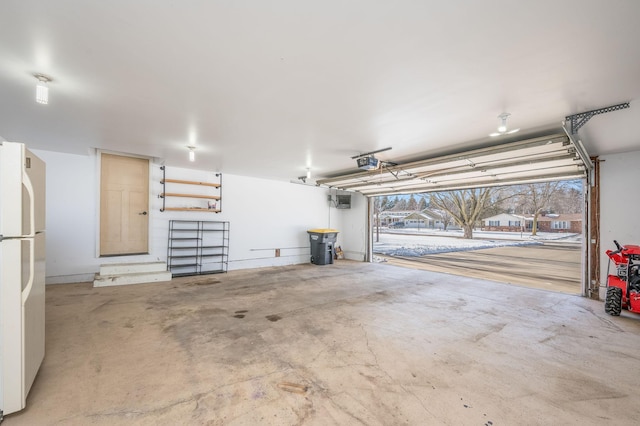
414 243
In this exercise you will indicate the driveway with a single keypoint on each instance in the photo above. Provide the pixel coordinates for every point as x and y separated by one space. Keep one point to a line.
554 266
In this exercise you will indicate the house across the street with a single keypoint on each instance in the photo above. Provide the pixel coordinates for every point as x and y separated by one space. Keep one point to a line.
390 217
425 219
569 222
507 222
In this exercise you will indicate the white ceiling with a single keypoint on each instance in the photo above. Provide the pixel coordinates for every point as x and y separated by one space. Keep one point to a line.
268 89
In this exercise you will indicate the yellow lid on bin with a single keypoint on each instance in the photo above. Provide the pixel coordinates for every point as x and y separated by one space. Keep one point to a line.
323 231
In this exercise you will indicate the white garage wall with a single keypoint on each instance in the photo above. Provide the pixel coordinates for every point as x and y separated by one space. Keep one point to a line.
263 215
71 215
620 205
352 225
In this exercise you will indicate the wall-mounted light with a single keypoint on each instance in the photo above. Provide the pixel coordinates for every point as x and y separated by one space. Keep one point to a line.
192 153
42 90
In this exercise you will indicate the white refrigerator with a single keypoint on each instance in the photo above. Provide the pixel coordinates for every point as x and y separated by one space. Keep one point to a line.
22 272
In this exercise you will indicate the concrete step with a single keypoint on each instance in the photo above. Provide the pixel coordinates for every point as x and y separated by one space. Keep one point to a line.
131 278
132 268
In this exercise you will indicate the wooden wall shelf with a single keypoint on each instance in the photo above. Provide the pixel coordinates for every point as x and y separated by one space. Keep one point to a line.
175 194
191 182
190 209
196 208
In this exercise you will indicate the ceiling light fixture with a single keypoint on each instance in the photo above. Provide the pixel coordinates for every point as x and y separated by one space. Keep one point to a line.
192 153
502 128
42 91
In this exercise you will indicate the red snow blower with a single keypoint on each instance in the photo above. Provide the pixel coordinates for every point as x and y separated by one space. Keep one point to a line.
623 287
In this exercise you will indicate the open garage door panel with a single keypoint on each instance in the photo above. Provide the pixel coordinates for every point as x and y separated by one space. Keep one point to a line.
542 159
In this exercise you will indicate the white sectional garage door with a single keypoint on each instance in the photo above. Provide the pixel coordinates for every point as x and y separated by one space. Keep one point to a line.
554 157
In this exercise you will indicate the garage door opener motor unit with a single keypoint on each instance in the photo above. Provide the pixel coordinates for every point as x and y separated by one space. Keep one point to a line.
623 287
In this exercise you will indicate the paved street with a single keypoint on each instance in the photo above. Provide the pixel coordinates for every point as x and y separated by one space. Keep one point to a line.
554 266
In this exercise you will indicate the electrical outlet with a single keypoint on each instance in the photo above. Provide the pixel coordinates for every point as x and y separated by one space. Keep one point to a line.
277 252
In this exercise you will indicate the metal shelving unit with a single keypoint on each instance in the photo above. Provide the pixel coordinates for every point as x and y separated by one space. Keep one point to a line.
197 247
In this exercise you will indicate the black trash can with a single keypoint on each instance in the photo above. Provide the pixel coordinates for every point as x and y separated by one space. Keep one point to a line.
323 243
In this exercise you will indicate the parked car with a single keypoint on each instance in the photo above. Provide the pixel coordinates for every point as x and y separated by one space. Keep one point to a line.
397 225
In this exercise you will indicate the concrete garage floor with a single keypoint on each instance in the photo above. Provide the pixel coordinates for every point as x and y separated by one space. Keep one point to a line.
349 343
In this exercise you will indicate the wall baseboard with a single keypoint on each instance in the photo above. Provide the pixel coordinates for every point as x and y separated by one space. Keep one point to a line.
67 279
354 255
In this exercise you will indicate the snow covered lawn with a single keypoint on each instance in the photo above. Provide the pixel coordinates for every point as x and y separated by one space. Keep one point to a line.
415 243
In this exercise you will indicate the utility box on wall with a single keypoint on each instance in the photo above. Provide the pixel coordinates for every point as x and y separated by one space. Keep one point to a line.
343 201
340 201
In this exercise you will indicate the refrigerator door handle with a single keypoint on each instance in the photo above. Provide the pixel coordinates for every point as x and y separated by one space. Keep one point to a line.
32 266
32 212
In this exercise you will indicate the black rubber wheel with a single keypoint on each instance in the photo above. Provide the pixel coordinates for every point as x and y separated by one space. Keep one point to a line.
613 302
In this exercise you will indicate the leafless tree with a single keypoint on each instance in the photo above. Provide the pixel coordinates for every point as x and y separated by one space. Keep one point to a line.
399 204
467 206
569 199
539 196
380 204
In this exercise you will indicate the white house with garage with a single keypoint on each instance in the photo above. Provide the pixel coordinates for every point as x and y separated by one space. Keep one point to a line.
505 222
551 222
391 217
426 219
